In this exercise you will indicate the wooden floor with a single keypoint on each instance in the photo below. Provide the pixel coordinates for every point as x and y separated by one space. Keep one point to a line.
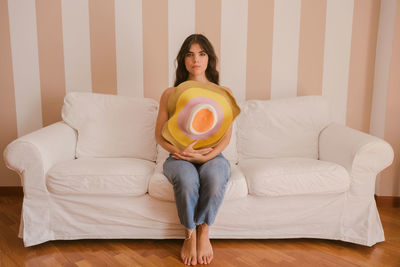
288 252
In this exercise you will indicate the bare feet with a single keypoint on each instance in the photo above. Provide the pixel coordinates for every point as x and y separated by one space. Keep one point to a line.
204 248
188 251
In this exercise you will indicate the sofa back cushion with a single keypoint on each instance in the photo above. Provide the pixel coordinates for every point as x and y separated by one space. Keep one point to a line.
282 128
112 126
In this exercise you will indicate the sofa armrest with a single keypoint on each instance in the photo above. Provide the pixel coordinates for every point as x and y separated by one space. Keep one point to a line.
32 155
363 155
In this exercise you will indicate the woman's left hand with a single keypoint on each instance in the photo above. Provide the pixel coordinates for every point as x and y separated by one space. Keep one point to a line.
189 156
190 149
193 155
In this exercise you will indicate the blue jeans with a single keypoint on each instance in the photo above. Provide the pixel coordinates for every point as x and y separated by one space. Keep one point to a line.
199 188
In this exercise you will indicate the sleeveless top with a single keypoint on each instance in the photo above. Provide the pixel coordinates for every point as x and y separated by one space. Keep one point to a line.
199 111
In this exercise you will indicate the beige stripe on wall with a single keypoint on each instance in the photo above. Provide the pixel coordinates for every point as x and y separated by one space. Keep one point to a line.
51 59
103 47
362 64
389 182
155 47
259 49
208 22
8 116
311 47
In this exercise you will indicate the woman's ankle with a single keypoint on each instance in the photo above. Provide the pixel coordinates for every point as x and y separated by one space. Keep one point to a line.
204 226
189 233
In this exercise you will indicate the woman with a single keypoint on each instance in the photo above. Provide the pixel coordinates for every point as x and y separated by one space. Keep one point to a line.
199 176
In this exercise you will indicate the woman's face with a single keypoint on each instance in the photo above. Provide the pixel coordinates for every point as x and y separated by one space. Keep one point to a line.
196 60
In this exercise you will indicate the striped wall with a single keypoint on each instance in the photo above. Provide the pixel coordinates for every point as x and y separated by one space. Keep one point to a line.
386 93
347 50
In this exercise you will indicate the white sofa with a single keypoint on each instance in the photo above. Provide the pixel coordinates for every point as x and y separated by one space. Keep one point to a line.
294 174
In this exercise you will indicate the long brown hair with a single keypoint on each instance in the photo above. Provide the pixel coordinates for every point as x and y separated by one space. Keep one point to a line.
211 72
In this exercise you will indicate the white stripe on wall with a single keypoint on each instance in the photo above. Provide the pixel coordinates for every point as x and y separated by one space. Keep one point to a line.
76 36
285 48
129 45
382 66
234 46
338 30
387 16
181 23
24 50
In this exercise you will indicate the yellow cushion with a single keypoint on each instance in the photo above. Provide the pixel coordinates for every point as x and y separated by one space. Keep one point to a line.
199 111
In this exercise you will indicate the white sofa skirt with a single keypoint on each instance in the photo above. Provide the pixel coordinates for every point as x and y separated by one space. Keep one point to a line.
310 216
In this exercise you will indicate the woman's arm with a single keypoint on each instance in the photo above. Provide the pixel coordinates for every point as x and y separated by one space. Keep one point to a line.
162 118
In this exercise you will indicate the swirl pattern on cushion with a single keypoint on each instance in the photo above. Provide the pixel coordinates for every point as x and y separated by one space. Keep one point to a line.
199 111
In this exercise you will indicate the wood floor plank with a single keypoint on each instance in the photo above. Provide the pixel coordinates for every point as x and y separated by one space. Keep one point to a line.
227 253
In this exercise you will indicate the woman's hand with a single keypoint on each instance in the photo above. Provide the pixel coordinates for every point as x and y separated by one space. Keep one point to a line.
193 155
203 151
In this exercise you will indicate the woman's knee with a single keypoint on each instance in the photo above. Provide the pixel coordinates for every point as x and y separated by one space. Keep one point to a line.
182 175
186 183
217 170
214 181
179 169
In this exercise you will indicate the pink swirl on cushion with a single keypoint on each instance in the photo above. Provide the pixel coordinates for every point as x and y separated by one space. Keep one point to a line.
184 115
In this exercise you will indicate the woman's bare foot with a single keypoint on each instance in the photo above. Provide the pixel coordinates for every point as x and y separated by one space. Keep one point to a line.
188 251
204 248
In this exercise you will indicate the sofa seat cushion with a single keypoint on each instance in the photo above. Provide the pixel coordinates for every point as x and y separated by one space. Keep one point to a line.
100 176
294 176
160 188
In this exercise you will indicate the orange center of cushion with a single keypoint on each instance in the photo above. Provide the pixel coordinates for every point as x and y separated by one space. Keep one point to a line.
203 120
